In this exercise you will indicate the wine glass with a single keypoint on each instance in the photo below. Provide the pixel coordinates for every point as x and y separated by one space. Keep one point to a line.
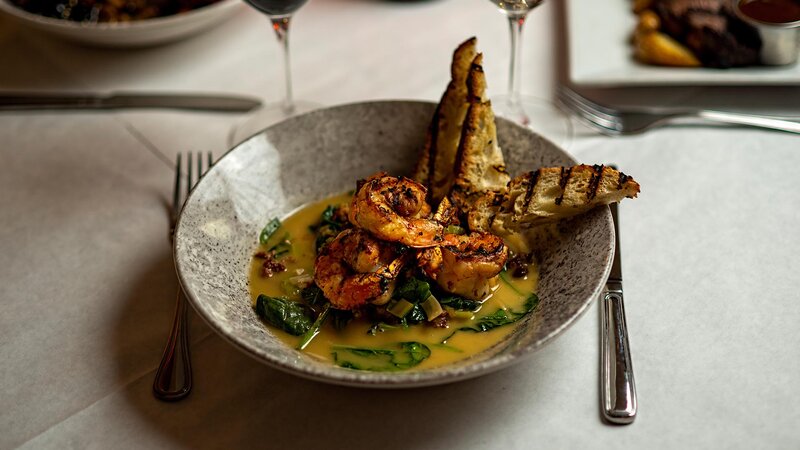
280 14
539 114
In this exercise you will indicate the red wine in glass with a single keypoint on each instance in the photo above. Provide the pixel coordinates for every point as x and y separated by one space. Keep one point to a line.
277 7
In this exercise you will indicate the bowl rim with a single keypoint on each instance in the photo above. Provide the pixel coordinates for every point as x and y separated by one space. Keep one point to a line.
142 24
387 380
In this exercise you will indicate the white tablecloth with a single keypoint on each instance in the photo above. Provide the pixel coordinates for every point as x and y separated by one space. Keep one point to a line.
87 284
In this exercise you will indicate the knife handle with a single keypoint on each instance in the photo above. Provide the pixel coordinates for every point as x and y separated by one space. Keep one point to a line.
122 100
618 388
33 101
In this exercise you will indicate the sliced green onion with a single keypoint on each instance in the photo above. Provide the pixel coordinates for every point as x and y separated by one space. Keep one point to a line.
303 280
432 308
400 308
290 288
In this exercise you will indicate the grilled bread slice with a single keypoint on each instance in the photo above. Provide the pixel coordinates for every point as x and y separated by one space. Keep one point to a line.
476 80
435 165
549 194
462 161
540 198
480 166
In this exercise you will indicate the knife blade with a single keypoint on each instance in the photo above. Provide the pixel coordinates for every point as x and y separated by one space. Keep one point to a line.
120 100
615 276
618 388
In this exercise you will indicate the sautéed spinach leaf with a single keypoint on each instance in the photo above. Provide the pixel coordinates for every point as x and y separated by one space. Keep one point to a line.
399 356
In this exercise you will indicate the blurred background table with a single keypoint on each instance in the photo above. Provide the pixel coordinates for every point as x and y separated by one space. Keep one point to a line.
87 283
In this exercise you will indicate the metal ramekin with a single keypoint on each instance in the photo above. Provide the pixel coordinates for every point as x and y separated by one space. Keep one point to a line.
780 41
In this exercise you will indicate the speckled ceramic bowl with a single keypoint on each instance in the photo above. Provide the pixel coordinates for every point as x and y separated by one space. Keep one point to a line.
311 156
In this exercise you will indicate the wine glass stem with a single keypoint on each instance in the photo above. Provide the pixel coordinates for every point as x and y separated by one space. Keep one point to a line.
281 26
515 23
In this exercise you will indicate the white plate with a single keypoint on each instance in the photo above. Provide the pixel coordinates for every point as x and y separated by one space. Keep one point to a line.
600 54
137 33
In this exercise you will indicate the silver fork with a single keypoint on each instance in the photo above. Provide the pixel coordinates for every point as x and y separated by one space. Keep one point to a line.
616 122
177 348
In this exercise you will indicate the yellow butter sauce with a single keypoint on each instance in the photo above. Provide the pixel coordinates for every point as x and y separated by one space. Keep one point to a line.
459 346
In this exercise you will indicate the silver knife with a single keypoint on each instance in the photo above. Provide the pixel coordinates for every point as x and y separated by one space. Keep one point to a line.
618 389
118 100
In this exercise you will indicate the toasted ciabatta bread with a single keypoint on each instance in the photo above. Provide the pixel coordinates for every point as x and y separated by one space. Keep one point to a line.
435 165
545 196
476 80
479 165
462 161
553 193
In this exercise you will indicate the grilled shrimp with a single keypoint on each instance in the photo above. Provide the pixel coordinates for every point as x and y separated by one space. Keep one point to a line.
355 269
394 209
465 265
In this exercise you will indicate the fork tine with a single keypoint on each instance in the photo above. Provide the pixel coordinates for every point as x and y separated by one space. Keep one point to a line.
587 108
206 166
190 175
176 193
210 161
587 114
599 109
591 120
200 171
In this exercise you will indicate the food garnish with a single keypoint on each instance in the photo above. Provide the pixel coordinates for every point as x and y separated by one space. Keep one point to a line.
403 355
291 317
